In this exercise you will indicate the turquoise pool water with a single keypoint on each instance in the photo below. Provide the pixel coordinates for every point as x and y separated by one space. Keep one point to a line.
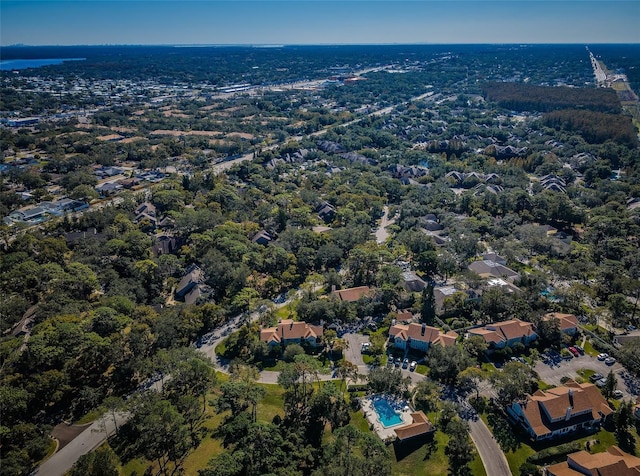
387 415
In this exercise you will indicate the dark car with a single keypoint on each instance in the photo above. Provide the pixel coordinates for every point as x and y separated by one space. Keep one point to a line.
595 377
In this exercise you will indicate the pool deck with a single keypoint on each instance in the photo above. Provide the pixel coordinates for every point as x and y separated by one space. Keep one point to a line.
372 417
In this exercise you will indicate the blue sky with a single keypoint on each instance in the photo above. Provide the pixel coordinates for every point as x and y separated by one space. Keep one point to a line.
52 22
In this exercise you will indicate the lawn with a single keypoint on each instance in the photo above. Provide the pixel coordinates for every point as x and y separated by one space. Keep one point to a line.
272 404
427 460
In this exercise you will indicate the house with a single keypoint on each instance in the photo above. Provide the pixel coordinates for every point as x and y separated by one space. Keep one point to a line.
420 426
192 278
614 461
419 336
262 238
352 294
506 333
568 323
326 212
290 332
560 410
495 257
165 244
145 208
412 282
488 268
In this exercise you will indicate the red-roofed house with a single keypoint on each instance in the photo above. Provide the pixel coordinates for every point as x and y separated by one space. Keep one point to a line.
420 426
568 323
290 332
419 336
560 410
613 462
506 333
352 294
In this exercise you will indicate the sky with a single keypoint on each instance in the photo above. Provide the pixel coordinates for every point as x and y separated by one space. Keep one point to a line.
91 22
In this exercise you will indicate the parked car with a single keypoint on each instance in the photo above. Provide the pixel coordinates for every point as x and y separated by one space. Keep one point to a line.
580 349
413 366
601 383
398 362
365 347
405 363
610 361
603 356
631 328
617 394
574 351
596 377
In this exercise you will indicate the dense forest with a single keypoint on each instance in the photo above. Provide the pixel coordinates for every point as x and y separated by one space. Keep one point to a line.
529 97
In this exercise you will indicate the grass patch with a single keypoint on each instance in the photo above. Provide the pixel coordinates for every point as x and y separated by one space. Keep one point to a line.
272 404
477 468
93 415
422 369
427 460
359 421
135 466
198 459
589 349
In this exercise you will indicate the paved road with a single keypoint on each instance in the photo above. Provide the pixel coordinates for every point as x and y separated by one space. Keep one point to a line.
62 461
493 459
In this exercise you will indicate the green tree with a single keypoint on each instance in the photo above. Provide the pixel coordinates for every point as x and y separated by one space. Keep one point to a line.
101 462
428 307
610 385
515 381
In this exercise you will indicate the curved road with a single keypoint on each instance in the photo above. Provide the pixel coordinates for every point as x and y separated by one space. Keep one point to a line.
493 459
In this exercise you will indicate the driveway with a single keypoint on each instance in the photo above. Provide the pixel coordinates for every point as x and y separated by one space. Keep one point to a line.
62 461
552 374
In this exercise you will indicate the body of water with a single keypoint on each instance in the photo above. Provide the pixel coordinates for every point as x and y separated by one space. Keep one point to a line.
10 65
386 413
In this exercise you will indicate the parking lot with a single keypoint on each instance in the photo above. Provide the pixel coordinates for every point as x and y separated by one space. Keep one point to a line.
552 372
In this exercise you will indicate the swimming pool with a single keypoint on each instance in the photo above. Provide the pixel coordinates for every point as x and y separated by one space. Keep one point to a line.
386 414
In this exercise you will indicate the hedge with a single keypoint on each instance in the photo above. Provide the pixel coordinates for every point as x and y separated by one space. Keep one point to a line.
543 456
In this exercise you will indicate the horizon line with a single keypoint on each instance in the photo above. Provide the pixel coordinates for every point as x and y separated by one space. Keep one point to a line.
283 45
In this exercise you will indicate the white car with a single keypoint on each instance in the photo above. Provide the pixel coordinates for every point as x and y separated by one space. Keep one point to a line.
413 366
617 394
603 356
610 361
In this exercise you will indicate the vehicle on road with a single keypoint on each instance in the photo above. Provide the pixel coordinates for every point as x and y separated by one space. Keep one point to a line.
413 366
595 377
610 361
603 356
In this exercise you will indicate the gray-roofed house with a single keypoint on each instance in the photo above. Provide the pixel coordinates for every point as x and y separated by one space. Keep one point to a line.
192 278
488 268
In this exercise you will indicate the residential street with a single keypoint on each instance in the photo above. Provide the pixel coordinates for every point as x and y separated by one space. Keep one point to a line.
493 459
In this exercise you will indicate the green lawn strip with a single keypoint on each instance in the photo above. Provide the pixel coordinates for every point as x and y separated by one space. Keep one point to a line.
477 467
89 417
